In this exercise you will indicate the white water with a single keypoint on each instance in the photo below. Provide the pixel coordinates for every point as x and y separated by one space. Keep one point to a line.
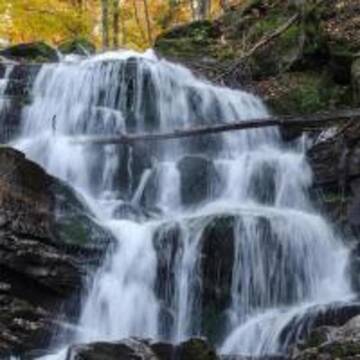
286 256
3 85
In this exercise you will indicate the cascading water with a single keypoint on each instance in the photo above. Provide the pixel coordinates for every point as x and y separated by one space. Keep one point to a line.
285 256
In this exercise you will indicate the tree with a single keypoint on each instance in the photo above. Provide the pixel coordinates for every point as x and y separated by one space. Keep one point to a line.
116 25
203 9
224 4
148 24
105 23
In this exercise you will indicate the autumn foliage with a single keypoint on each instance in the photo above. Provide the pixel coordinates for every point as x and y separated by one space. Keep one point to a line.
108 23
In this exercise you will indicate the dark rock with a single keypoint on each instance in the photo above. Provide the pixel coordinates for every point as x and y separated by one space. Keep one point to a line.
195 349
199 179
24 325
42 267
132 349
332 343
10 118
168 245
263 184
217 260
355 79
138 349
25 73
31 52
213 283
313 326
335 162
134 161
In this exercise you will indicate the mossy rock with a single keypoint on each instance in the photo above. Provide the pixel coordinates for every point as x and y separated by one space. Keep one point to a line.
79 46
196 349
301 46
306 92
31 52
196 40
197 30
74 222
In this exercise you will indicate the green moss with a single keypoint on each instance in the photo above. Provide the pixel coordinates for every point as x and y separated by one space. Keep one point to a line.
341 349
79 46
308 93
73 231
32 52
212 322
195 30
191 41
268 24
196 349
177 48
73 223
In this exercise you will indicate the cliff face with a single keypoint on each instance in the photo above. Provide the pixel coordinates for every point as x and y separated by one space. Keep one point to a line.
42 268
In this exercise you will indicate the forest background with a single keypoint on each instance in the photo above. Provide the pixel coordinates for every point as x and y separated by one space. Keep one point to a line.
109 24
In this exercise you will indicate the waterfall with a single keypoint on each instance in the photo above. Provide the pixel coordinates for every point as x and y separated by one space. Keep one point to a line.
246 186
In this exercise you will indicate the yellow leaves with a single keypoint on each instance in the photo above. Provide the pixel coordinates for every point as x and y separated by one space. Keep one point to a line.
56 20
49 20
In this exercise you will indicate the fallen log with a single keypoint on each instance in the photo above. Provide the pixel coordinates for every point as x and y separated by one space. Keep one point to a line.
299 122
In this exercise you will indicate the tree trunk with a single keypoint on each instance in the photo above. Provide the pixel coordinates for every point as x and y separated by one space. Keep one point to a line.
105 23
224 4
137 19
148 24
116 25
193 9
203 9
123 29
298 122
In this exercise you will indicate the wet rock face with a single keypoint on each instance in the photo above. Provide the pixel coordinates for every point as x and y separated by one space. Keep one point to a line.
328 342
138 349
199 179
334 159
355 77
42 268
213 283
14 96
217 261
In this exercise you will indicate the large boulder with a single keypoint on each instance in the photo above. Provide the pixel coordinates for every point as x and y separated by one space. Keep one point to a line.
221 242
328 342
136 349
78 46
31 52
47 250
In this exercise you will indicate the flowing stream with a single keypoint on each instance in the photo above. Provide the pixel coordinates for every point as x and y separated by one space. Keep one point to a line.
252 189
